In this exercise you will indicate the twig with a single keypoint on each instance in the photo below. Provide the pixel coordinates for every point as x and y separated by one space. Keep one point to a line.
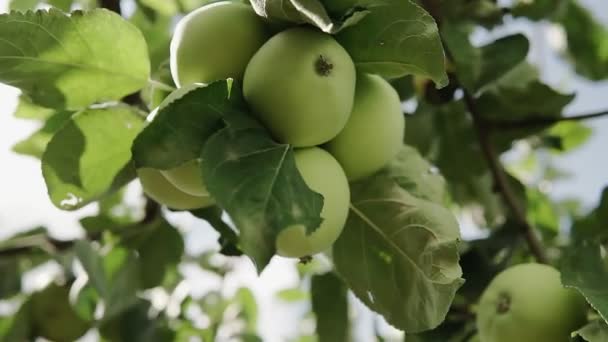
499 175
501 180
534 122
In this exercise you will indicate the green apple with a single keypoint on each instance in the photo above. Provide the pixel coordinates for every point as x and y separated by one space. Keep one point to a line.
322 174
374 133
301 85
527 303
188 178
53 317
162 191
215 42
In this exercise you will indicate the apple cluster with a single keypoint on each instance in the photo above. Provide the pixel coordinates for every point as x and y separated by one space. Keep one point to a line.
303 87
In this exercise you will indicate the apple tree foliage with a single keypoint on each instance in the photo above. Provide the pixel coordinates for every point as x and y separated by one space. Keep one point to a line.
90 73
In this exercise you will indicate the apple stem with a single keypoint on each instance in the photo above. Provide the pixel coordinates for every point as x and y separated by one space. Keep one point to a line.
323 66
305 259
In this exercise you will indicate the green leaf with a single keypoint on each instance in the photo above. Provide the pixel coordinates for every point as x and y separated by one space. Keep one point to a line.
593 226
36 143
137 325
12 267
248 308
520 76
479 67
191 5
10 282
330 305
16 327
293 295
160 248
417 176
596 331
396 38
255 180
115 276
483 259
446 137
118 208
399 254
483 12
214 306
525 101
157 33
541 212
404 87
179 130
587 41
90 156
162 7
27 110
97 224
569 135
228 240
159 87
22 5
71 61
250 338
311 12
52 315
584 269
455 330
86 302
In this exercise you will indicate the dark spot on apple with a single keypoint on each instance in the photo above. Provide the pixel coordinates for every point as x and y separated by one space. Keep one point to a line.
323 66
504 303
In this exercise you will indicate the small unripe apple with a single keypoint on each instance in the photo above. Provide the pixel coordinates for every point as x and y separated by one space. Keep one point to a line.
188 178
527 303
323 174
301 85
215 42
374 133
162 191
